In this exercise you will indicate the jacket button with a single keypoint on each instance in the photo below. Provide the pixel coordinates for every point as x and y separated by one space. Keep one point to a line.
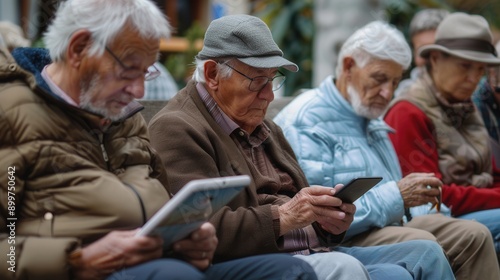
242 133
48 216
12 67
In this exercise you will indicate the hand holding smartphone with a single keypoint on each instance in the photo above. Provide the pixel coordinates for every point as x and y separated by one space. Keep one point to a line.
356 188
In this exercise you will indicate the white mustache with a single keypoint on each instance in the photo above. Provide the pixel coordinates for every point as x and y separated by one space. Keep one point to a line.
264 105
125 98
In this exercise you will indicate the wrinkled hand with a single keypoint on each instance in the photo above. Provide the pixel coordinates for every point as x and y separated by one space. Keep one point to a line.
414 191
199 248
483 180
316 203
115 251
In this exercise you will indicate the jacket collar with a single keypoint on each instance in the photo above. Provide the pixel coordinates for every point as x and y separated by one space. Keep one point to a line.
333 96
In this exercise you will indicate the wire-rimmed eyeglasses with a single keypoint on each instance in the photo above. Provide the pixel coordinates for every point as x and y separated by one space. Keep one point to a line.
132 73
259 82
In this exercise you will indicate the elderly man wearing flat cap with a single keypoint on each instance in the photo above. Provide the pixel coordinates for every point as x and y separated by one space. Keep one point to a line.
215 127
439 130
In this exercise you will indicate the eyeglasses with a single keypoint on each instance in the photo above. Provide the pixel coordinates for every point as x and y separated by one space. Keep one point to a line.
258 83
131 73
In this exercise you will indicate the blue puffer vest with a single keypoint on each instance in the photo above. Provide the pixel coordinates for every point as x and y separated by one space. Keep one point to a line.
333 145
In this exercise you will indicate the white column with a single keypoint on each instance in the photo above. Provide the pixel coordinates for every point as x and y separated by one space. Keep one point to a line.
335 21
230 7
9 11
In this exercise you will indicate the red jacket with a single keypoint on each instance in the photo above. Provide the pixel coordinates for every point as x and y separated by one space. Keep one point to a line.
415 144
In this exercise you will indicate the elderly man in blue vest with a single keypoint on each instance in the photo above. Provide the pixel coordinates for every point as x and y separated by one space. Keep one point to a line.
337 135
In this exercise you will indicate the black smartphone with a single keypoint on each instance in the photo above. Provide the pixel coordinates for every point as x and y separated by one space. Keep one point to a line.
356 188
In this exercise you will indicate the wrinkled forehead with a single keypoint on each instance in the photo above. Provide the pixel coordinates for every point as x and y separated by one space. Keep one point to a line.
382 66
131 36
131 45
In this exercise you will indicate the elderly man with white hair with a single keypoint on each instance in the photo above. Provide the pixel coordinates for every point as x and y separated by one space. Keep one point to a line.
337 135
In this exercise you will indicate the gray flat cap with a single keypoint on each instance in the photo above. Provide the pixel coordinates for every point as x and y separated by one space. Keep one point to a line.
246 38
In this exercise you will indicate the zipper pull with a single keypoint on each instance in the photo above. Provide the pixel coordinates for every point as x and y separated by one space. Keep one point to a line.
104 153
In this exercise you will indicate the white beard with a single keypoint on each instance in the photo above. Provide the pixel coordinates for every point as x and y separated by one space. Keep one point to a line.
360 109
88 90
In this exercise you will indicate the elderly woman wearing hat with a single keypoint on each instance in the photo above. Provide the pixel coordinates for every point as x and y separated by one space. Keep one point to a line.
439 130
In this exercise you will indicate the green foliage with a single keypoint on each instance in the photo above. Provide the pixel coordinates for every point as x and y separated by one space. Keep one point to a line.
38 44
292 25
489 9
400 12
180 65
177 65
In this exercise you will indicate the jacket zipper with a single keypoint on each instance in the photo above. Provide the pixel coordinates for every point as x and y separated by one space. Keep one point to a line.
376 144
103 149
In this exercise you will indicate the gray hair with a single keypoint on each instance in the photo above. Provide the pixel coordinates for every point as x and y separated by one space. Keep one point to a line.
224 71
376 40
105 20
427 19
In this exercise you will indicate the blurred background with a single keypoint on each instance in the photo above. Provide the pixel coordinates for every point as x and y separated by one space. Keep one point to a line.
310 32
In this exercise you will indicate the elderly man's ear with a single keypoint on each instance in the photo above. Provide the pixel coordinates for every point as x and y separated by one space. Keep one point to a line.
77 47
211 75
347 64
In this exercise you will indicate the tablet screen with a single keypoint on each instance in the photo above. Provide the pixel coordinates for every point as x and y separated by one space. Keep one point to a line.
192 206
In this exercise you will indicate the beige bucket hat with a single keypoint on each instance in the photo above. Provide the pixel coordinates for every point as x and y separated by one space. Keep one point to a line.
465 36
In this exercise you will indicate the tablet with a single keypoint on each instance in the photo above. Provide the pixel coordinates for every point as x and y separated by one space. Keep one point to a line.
192 206
356 188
